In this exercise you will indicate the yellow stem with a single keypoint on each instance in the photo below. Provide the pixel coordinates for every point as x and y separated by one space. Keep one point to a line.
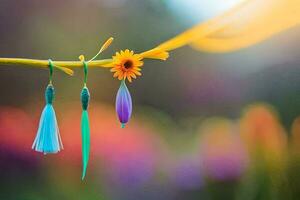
45 63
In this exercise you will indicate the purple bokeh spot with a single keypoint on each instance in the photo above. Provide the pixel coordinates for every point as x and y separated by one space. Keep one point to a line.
131 171
225 167
187 174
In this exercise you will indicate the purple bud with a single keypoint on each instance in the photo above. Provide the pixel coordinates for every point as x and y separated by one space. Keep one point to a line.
123 104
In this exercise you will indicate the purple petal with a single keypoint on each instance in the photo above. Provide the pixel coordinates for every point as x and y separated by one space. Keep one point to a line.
123 104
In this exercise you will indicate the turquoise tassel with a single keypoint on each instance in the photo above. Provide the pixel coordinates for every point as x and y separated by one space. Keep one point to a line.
48 139
85 130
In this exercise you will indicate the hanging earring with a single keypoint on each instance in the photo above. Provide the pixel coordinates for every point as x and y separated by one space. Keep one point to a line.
85 126
85 98
123 104
48 139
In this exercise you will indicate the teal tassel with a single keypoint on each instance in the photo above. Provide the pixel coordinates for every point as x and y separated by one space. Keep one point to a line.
85 130
85 134
48 139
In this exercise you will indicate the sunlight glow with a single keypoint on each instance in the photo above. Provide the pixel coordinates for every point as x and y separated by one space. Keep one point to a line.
198 10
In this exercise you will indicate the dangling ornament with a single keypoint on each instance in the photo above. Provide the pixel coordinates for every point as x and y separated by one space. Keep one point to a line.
85 126
48 139
85 98
123 104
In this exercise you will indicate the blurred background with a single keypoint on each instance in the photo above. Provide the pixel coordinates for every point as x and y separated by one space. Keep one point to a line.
204 126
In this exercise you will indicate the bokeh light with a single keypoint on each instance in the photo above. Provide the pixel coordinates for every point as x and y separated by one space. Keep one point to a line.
204 126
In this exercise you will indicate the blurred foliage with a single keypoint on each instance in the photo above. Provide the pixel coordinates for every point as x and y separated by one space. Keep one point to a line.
244 158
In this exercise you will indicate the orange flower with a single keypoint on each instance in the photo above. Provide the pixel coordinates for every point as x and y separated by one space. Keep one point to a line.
126 65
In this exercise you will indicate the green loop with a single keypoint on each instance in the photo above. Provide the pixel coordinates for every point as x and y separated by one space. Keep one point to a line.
51 66
85 69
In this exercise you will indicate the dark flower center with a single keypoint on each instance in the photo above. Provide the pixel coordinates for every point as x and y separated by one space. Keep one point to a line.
128 64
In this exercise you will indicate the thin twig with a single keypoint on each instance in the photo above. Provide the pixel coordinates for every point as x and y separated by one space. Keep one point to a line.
45 63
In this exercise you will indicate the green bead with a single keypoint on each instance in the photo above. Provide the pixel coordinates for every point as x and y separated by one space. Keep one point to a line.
49 94
85 98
